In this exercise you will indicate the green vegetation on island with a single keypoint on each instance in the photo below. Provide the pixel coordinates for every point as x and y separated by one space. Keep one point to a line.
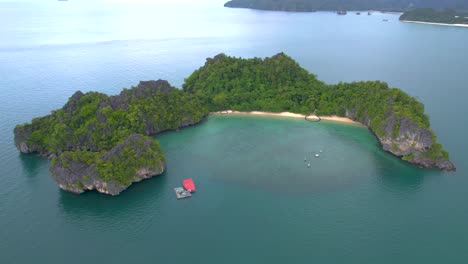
96 122
279 84
333 5
91 126
100 142
136 158
435 16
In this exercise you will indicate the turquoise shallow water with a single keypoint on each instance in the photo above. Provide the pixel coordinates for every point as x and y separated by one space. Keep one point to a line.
257 200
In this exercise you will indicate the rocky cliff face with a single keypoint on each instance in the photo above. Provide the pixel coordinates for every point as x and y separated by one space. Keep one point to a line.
406 139
279 84
76 175
102 111
86 135
22 134
91 139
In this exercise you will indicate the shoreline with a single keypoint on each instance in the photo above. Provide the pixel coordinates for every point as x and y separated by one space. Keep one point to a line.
287 114
433 23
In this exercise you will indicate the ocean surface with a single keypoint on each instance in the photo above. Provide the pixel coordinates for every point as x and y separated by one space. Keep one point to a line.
257 201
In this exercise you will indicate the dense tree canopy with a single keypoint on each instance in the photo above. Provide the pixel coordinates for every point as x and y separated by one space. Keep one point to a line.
91 124
95 121
91 128
435 16
279 84
333 5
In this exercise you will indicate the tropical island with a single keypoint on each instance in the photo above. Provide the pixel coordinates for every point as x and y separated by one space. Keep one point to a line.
103 143
429 15
353 5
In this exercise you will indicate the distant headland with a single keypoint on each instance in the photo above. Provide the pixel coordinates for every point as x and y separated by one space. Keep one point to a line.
437 17
350 5
103 143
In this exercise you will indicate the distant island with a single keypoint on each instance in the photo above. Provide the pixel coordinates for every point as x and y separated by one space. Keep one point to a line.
356 5
103 143
430 15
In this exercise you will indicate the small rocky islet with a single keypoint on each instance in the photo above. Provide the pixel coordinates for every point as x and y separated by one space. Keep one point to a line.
103 143
100 142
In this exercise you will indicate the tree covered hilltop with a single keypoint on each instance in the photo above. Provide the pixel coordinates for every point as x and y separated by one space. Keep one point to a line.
435 16
279 84
333 5
101 142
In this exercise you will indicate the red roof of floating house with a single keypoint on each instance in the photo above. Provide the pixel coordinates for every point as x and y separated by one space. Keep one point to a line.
189 185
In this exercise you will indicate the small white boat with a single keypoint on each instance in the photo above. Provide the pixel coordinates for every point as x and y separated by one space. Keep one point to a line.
317 155
182 193
308 165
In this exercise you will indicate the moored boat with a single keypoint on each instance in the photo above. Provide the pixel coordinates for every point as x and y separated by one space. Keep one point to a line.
181 193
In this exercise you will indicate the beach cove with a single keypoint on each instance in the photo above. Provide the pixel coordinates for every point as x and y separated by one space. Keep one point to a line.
437 24
286 114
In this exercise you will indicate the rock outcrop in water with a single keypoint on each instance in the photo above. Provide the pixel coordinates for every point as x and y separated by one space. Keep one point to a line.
95 121
99 142
101 171
408 140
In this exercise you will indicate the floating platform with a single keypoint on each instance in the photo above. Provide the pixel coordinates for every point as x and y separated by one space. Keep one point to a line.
189 185
182 193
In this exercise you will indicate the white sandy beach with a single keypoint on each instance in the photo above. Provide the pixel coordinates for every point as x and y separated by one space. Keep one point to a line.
439 24
286 114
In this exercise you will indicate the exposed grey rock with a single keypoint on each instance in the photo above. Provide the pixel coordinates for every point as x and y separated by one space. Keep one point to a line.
410 140
78 177
71 105
22 133
121 101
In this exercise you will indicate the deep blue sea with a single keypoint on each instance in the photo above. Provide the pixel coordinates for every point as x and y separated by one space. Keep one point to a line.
257 202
